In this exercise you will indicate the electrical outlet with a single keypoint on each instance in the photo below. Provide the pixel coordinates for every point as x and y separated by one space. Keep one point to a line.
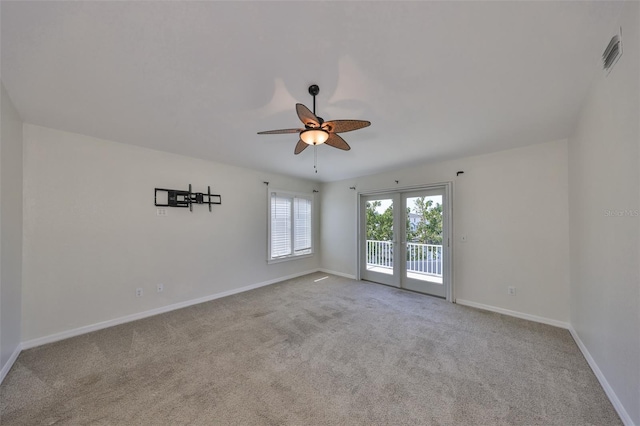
139 292
161 212
160 288
511 291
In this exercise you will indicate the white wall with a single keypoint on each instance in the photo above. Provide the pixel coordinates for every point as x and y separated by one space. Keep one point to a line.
512 205
91 234
603 175
10 229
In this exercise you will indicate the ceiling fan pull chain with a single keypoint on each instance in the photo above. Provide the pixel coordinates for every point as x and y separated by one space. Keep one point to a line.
315 158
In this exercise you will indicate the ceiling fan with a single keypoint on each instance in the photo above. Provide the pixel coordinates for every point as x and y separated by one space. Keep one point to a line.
316 131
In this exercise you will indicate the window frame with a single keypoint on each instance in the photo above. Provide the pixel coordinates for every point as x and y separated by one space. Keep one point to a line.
292 196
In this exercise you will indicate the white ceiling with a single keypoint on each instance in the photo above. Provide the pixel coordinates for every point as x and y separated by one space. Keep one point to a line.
438 80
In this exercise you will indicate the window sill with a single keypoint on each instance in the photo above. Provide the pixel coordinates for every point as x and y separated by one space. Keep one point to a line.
288 258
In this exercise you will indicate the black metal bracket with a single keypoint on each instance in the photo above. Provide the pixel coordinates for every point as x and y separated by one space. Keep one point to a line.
178 198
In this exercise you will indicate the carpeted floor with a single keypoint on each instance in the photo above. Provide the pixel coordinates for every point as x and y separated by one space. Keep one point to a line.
304 353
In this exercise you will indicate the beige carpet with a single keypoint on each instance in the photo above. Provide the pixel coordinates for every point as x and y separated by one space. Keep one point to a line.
328 353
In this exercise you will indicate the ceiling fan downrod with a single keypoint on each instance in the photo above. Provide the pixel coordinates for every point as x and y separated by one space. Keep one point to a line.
313 91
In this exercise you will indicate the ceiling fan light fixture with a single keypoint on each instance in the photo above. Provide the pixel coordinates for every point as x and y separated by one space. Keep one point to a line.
316 131
314 136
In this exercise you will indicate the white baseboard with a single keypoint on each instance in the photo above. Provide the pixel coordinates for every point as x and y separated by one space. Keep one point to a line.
624 416
7 366
516 314
133 317
340 274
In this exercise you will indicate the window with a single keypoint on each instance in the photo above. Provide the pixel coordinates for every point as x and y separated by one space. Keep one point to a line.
290 225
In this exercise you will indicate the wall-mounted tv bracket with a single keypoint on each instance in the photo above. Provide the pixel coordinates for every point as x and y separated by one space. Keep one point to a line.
178 198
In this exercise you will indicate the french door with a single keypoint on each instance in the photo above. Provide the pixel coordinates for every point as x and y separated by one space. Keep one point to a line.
379 239
404 239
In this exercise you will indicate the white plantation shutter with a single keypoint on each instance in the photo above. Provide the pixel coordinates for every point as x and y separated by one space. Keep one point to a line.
302 220
280 226
290 225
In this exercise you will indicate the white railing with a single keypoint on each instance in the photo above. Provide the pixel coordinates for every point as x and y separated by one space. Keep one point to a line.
421 258
380 253
424 258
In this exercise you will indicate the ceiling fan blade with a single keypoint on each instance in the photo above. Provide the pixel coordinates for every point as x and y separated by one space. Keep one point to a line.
279 132
300 146
340 126
306 116
337 142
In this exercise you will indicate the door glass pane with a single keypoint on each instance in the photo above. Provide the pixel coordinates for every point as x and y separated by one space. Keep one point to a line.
424 238
379 230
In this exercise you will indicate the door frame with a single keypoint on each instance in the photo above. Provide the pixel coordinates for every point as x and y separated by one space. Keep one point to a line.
447 265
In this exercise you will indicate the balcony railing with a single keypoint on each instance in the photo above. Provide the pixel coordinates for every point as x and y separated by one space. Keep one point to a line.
424 258
421 258
380 253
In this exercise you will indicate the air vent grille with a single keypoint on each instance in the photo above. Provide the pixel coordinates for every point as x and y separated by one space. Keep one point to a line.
612 53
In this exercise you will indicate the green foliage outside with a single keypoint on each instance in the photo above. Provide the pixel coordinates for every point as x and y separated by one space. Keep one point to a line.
379 225
429 227
427 231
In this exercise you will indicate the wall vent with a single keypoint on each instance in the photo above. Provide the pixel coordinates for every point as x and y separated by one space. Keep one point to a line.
613 52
